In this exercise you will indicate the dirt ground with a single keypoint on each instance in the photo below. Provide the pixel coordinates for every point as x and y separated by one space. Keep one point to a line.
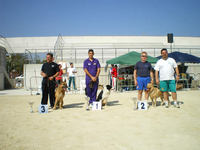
116 127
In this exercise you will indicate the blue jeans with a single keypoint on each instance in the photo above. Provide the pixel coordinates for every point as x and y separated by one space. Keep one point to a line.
71 79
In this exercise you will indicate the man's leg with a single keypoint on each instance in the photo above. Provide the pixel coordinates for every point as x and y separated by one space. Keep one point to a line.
44 94
89 92
74 85
70 80
140 90
172 86
52 93
164 87
94 92
140 94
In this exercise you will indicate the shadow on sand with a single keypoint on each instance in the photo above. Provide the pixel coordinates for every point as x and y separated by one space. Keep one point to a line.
75 105
159 103
113 103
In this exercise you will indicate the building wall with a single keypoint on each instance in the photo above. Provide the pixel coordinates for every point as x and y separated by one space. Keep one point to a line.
19 44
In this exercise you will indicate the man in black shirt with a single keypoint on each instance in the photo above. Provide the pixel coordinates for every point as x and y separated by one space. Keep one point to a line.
49 71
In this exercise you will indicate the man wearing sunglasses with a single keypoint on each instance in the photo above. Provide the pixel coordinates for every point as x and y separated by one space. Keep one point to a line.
143 74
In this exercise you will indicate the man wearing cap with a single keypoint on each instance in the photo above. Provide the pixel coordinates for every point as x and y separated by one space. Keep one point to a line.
91 67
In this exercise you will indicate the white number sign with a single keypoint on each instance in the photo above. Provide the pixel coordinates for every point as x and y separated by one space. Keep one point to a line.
43 109
142 105
96 105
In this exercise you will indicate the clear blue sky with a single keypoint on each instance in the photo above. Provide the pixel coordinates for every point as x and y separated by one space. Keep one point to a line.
20 18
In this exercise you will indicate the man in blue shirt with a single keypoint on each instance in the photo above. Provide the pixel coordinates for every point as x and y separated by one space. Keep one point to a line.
92 69
143 74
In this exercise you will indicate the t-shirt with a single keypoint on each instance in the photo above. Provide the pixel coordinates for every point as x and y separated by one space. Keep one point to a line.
114 72
50 69
143 69
71 71
59 77
92 67
166 68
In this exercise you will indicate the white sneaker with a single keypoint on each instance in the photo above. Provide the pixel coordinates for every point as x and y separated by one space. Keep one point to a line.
176 105
90 105
166 105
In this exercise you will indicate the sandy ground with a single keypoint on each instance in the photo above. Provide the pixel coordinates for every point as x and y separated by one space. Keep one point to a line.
117 127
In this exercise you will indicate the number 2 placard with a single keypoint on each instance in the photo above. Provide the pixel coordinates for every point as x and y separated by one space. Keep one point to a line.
142 105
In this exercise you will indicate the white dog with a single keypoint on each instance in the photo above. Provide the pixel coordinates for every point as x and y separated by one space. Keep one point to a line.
102 94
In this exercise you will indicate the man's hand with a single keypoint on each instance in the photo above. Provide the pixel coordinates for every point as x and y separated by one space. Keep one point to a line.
44 74
136 83
93 78
157 81
51 78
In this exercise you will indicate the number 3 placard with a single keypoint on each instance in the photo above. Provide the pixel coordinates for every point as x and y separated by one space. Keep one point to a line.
43 109
142 105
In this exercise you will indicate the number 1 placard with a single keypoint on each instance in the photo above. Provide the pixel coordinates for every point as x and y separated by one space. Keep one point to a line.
96 105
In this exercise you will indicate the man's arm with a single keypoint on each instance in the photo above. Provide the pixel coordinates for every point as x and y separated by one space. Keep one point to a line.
43 74
54 76
86 71
157 79
151 75
98 72
177 73
135 76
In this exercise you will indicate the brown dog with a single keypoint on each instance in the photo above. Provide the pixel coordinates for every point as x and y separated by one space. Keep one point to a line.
59 94
154 93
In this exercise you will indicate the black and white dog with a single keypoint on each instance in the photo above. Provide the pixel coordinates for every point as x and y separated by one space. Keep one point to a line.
102 94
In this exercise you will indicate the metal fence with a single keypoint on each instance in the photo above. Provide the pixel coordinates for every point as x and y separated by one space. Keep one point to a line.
77 55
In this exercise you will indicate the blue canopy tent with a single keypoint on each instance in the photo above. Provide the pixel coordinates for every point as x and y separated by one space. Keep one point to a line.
183 57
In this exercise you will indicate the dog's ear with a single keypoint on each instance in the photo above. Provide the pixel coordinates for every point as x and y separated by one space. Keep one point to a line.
108 87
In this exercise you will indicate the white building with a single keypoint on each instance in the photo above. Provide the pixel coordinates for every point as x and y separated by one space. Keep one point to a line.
75 48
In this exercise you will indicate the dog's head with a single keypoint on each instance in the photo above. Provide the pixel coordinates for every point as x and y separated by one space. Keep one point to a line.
100 87
63 85
108 87
149 86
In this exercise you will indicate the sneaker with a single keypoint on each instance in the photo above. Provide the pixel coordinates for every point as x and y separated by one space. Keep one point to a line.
87 108
166 105
176 105
90 105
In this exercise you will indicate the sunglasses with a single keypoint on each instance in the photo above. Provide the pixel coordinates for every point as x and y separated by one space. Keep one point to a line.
143 56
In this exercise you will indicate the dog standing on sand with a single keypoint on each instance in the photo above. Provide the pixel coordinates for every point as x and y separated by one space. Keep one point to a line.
154 93
103 94
59 94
